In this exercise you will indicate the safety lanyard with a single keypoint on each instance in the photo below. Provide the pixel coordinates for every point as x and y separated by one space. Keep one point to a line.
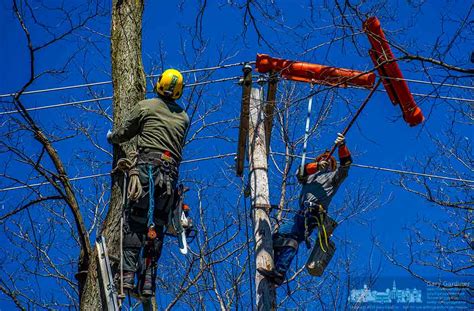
151 187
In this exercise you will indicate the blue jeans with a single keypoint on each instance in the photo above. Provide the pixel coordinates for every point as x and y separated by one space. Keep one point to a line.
293 228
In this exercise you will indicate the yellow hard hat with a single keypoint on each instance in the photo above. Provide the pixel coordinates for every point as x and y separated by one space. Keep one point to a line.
170 84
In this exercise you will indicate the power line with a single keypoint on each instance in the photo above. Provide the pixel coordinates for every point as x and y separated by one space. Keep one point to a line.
220 156
109 97
209 82
391 170
47 182
461 99
403 172
213 81
76 86
431 83
58 105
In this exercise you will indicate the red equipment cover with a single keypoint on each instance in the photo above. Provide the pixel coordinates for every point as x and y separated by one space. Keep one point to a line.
386 64
314 73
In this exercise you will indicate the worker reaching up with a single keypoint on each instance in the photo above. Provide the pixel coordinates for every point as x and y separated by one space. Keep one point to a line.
320 181
160 125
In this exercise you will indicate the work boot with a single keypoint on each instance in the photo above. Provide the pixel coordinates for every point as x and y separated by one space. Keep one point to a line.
128 280
273 276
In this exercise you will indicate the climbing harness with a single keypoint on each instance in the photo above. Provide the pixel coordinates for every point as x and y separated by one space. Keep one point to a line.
317 212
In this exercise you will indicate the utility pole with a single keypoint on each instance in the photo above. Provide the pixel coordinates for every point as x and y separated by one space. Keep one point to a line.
260 198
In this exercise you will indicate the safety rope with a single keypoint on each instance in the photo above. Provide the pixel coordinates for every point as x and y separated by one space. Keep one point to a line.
126 164
124 207
151 191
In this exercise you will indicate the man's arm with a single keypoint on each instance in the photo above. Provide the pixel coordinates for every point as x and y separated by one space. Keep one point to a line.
129 128
345 160
310 169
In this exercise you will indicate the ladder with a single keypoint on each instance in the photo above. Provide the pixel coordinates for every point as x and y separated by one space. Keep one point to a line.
108 286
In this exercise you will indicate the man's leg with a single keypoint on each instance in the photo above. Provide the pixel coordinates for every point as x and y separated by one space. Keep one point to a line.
131 250
134 232
151 254
285 248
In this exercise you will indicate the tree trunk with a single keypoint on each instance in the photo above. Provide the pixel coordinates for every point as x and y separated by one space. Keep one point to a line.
129 85
260 201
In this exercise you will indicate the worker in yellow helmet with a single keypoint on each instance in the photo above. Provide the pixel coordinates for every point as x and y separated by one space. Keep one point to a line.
160 125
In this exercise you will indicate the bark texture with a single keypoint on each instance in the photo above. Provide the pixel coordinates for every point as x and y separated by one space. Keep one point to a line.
260 201
129 85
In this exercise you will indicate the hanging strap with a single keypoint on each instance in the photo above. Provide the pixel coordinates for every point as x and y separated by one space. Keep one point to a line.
306 134
322 227
151 203
124 207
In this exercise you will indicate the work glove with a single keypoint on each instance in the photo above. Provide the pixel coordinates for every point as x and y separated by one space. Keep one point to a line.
340 140
109 137
134 186
300 175
323 165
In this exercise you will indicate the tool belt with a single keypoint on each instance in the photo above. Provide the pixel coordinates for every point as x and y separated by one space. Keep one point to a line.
168 168
313 210
158 158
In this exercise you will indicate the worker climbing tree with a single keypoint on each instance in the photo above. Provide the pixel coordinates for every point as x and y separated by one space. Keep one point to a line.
160 125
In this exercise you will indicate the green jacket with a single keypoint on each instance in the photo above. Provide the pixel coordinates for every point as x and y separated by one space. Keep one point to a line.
160 124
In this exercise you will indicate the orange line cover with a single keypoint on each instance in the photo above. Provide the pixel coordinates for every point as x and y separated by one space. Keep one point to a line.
314 73
386 65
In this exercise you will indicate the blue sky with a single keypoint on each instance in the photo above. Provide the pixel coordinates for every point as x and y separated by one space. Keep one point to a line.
380 138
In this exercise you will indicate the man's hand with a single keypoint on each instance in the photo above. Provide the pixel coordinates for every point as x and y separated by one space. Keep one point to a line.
109 137
340 140
323 165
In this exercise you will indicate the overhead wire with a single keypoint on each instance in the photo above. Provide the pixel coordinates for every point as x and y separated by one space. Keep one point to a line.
462 99
76 86
220 156
74 103
385 169
224 66
431 83
105 174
